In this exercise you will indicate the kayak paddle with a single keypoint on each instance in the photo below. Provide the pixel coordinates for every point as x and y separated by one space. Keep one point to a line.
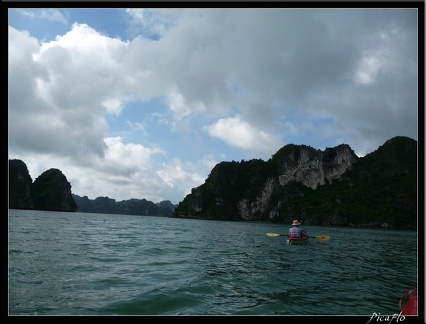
319 237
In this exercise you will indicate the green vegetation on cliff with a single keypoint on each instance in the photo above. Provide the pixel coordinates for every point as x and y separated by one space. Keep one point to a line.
376 190
52 191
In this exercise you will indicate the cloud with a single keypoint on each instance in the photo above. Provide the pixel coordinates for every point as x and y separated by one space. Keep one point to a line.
368 70
54 15
151 23
242 135
140 118
49 14
177 177
71 88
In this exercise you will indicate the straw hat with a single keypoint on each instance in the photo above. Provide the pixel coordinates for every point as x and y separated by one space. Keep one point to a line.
296 222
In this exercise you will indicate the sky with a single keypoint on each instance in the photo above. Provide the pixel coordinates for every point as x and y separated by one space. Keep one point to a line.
143 103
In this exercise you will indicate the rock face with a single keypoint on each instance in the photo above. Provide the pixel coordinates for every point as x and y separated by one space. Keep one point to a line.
50 191
312 167
19 186
330 187
255 190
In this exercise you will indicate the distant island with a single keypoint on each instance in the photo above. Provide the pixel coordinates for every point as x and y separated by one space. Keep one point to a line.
51 191
105 205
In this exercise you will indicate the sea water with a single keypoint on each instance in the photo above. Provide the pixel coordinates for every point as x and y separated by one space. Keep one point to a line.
101 264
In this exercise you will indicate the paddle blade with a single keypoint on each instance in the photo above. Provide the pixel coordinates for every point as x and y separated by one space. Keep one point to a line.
273 234
322 237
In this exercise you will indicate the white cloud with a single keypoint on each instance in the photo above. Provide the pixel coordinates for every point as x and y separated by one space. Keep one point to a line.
367 70
241 134
53 15
48 14
178 177
113 105
151 22
176 103
120 156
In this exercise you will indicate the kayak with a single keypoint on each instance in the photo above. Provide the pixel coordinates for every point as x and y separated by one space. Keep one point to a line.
297 241
408 302
301 240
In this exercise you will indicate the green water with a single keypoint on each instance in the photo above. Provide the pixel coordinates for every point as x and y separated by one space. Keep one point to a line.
97 264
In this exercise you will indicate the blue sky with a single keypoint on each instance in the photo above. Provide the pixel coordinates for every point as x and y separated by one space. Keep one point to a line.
143 103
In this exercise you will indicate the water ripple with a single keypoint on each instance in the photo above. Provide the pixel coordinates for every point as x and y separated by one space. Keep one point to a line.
95 264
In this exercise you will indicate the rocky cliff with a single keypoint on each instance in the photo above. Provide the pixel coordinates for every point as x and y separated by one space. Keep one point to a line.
312 167
249 190
330 187
50 191
19 185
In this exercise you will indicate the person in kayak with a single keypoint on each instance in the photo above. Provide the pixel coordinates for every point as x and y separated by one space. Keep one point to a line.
296 231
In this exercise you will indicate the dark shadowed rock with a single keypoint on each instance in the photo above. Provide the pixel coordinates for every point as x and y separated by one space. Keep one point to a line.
50 191
19 185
